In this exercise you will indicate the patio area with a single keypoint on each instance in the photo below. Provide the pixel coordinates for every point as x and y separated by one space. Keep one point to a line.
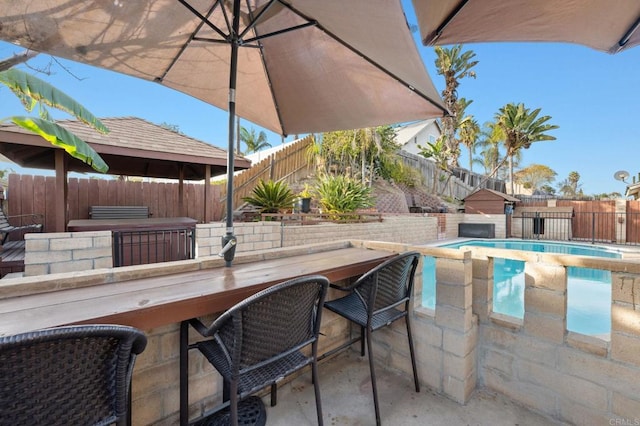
347 400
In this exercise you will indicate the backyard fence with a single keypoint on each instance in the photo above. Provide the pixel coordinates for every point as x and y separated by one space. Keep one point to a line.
456 186
288 164
592 227
28 194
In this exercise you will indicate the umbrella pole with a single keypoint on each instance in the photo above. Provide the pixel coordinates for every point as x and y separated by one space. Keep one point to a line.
229 240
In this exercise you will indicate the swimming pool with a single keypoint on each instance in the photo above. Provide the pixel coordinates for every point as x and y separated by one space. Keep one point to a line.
588 290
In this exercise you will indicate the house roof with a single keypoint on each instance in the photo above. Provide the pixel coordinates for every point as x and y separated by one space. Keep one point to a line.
499 194
133 147
633 190
406 133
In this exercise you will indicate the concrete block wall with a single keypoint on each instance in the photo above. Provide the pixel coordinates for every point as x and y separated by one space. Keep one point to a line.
570 377
251 236
451 228
47 253
415 229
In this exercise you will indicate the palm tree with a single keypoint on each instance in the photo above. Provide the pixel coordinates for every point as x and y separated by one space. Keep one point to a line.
469 133
454 65
489 141
254 142
439 153
521 128
33 92
570 187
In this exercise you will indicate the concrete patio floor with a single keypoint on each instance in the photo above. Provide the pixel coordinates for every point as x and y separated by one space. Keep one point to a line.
347 399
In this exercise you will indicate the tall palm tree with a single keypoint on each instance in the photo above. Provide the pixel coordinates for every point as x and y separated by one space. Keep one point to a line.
454 65
521 127
570 187
469 133
490 139
254 142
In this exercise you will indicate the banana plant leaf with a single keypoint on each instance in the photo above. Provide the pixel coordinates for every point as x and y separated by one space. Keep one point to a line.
59 136
31 90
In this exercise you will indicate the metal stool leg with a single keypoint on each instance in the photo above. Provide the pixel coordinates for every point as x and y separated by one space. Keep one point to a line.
316 388
413 354
373 377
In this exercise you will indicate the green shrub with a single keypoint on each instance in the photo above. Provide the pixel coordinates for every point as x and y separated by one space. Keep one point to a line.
271 197
340 194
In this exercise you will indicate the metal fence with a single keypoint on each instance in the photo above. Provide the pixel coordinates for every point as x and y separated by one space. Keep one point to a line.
152 246
593 227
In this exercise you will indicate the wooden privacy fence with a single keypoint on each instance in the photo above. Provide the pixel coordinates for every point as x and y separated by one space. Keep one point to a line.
288 164
594 221
34 194
447 186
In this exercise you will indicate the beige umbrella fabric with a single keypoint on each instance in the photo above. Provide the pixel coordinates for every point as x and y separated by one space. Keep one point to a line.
296 66
355 64
605 25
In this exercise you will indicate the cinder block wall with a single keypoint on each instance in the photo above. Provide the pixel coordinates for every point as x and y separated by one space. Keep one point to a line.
415 229
48 253
570 377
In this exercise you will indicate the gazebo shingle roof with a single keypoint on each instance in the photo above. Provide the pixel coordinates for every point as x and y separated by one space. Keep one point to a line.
133 147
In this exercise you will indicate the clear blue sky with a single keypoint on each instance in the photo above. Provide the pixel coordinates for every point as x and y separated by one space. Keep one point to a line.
592 96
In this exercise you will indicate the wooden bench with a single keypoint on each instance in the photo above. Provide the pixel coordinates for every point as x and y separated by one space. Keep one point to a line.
33 224
119 212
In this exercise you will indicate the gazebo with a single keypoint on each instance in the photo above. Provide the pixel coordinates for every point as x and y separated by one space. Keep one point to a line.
133 147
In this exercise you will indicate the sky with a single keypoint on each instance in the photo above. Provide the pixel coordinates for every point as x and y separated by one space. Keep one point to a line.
592 96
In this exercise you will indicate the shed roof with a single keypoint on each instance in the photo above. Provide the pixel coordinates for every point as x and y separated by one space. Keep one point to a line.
481 191
133 147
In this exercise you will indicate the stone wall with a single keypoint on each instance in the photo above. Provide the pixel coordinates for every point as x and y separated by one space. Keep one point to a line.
47 253
415 229
570 377
51 253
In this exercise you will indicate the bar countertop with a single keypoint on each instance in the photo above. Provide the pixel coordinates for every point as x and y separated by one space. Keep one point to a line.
184 291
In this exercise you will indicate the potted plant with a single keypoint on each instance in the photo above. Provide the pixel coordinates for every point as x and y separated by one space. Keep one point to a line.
305 198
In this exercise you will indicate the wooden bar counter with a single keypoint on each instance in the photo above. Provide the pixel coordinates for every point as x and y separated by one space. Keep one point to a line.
148 296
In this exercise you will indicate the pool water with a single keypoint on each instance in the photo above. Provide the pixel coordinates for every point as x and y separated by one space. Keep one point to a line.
588 290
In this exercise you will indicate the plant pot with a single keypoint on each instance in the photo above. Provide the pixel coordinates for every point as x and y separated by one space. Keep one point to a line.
305 205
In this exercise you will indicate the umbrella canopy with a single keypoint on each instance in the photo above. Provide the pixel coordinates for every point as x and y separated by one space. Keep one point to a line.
296 66
609 26
349 64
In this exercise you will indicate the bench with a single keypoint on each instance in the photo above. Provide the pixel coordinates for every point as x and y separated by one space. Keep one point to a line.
119 212
34 224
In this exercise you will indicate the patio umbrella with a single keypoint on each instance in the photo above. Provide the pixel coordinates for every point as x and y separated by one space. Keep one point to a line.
296 66
609 26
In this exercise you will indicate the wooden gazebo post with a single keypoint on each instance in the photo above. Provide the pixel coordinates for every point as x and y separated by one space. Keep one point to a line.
61 190
207 193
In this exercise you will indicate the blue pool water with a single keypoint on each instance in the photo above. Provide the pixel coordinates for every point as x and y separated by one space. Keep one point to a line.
589 290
